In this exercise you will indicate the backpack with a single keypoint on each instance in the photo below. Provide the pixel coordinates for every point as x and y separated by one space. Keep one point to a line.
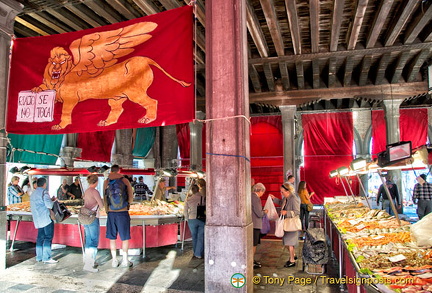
116 194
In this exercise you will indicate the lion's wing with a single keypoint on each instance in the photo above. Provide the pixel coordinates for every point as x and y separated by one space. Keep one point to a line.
96 51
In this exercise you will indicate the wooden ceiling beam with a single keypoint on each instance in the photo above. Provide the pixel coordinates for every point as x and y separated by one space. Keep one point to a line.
294 25
346 53
65 19
284 75
400 64
349 65
314 11
254 77
332 72
404 90
402 17
382 66
169 4
255 31
336 24
357 24
417 25
31 26
48 23
199 11
268 7
268 72
364 72
378 23
83 15
124 8
146 6
103 10
315 74
414 67
300 75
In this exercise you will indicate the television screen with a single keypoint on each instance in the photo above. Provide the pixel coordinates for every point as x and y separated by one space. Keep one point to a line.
399 151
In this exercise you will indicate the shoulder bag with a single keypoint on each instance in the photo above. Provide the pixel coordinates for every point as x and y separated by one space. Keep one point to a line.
309 207
201 211
61 212
86 216
292 224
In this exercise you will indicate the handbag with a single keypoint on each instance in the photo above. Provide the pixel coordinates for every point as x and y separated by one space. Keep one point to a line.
271 209
292 224
265 225
86 216
309 207
61 212
201 211
279 228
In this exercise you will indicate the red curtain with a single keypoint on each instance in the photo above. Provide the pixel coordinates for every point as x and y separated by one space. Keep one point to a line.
409 119
266 151
328 145
96 146
183 137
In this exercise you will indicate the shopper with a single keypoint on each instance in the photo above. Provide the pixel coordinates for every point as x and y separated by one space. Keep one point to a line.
422 196
196 226
305 197
118 196
291 181
92 201
74 190
14 192
257 216
41 204
290 207
382 195
141 189
202 186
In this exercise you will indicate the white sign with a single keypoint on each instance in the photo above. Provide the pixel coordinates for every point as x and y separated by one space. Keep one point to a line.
36 107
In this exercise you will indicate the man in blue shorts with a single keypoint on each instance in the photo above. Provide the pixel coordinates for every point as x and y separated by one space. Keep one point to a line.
118 196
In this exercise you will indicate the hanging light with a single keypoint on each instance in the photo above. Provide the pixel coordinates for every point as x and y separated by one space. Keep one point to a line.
103 169
343 171
358 164
92 169
24 169
333 173
14 170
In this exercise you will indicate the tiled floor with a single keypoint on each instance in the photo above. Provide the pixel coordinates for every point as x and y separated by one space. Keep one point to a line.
166 269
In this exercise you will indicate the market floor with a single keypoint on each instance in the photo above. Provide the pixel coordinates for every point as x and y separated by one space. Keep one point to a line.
166 269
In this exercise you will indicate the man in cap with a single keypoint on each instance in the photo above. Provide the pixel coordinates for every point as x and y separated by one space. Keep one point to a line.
422 196
394 193
161 189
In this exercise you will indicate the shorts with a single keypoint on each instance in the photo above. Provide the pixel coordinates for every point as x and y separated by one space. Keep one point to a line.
256 237
118 222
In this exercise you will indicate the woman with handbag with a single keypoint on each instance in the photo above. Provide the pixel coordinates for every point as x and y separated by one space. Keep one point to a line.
196 226
93 203
290 208
306 205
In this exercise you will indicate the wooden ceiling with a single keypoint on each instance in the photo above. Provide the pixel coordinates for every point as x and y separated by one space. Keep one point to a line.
301 52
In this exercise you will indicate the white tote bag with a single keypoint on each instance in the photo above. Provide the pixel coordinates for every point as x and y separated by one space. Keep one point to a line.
279 227
272 214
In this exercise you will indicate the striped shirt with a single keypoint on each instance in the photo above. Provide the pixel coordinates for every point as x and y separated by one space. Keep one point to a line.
422 192
12 194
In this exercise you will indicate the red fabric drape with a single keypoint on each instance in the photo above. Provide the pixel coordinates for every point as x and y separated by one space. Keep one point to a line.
96 146
409 119
266 151
183 138
328 145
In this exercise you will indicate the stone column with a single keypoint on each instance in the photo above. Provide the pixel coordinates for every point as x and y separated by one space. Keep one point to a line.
123 151
289 147
362 120
8 10
391 115
196 142
68 155
169 149
228 231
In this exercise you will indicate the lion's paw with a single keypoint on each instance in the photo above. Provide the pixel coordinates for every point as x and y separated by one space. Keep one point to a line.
146 120
56 127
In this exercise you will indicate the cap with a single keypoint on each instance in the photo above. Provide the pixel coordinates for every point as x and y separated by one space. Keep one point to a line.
423 176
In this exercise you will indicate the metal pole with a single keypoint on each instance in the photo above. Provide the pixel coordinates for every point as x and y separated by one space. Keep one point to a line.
346 192
364 191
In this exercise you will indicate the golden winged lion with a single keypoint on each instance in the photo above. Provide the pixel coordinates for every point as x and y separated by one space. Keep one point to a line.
93 73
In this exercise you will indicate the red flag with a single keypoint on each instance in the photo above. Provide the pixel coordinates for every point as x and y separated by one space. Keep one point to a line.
131 74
